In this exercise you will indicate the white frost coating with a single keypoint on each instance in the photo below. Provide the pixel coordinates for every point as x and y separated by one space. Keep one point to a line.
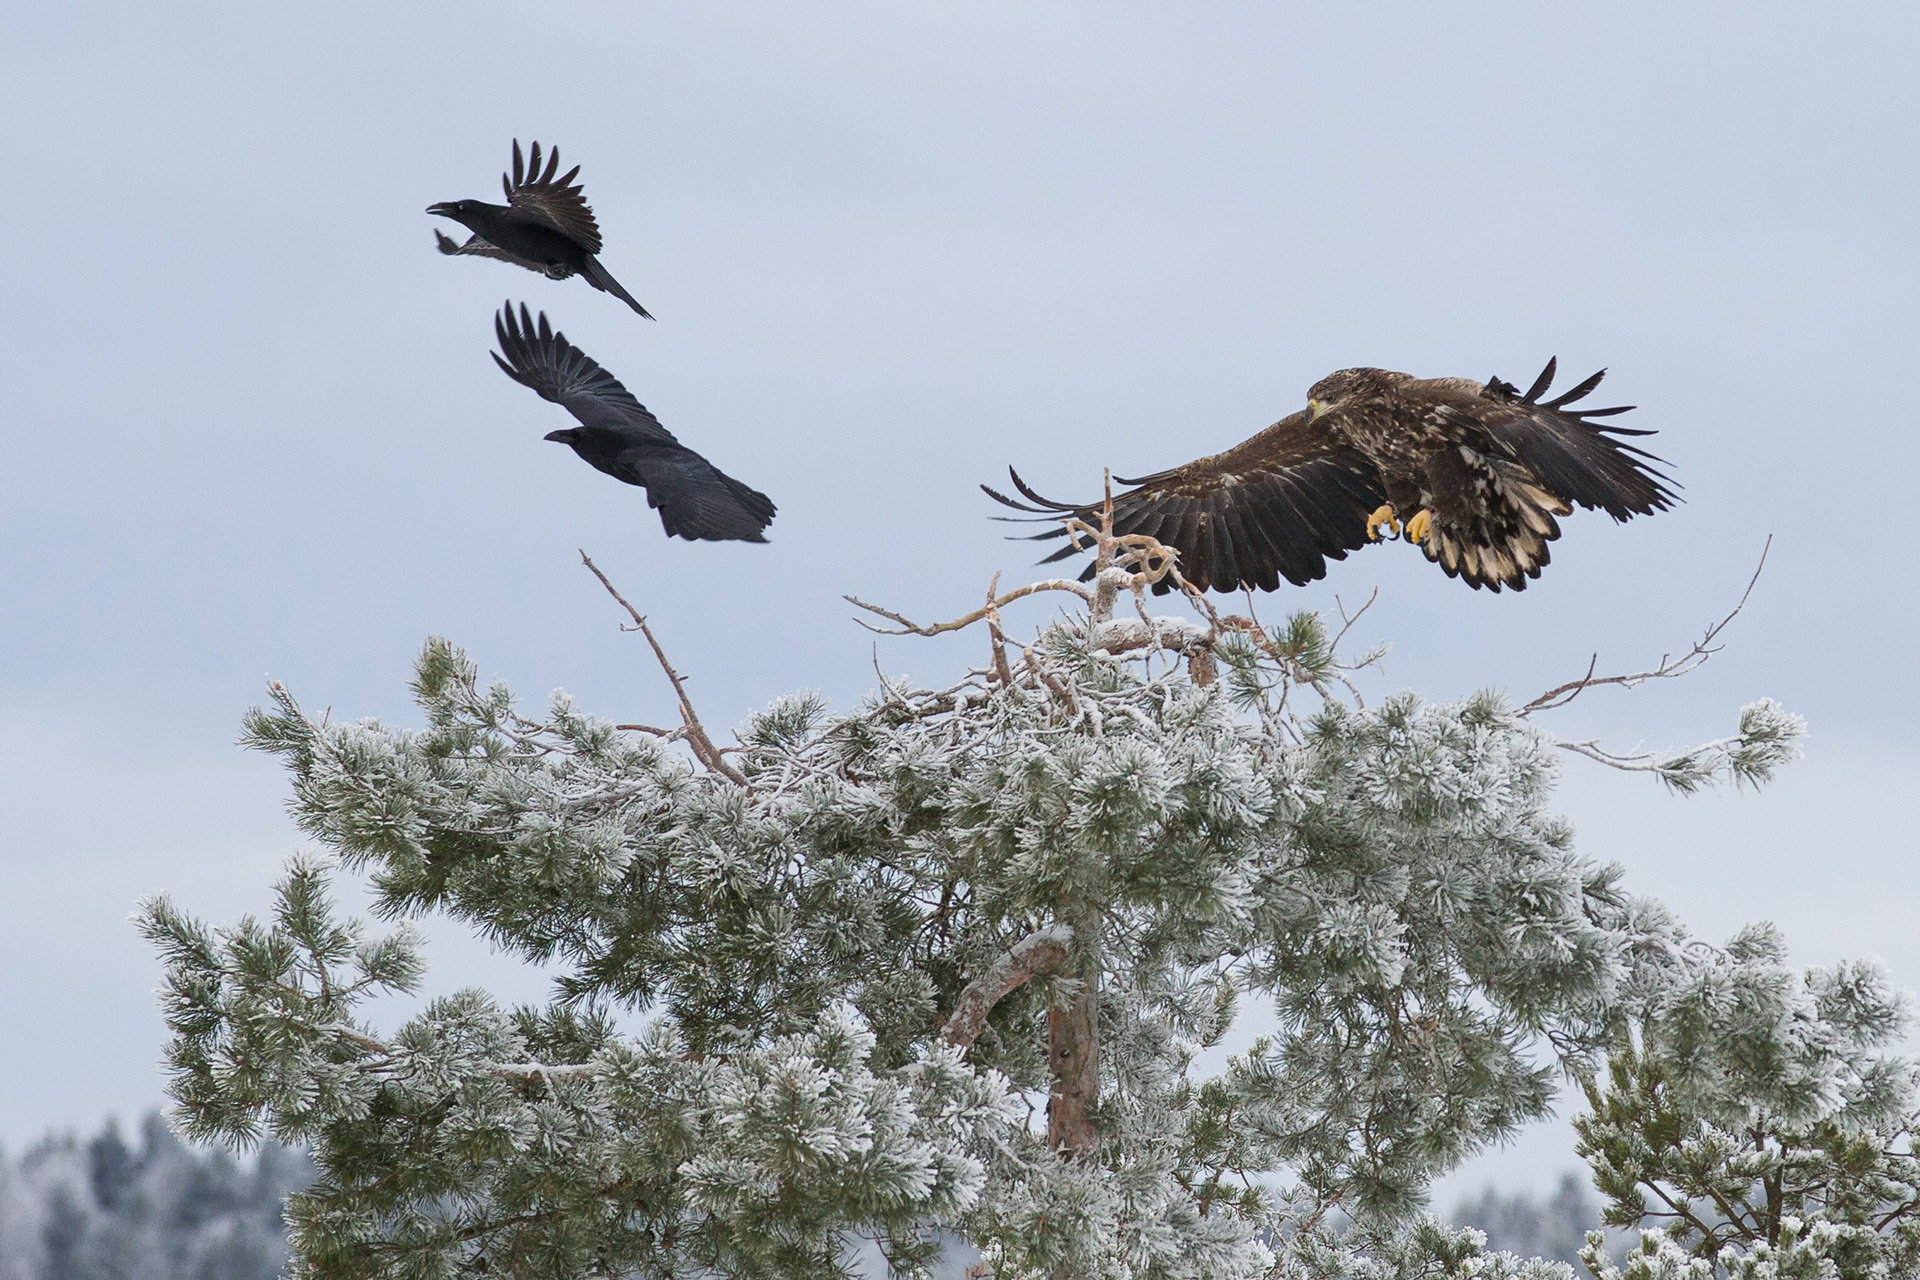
1123 635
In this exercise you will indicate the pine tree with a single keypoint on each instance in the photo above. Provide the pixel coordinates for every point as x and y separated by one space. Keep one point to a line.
937 968
1757 1116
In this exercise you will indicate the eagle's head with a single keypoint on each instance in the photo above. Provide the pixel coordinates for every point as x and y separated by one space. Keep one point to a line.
1347 387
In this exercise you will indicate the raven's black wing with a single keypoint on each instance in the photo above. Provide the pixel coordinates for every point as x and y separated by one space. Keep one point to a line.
480 247
696 500
538 356
558 202
1278 505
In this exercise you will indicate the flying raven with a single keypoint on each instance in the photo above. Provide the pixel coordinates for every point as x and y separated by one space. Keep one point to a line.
1477 471
697 501
544 226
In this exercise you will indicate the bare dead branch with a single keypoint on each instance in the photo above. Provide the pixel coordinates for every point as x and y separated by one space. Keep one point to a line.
1151 633
1037 953
911 628
1105 554
696 733
997 638
1133 561
1668 668
671 735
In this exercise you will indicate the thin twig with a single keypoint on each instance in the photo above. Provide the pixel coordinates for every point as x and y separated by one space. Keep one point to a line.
997 638
1668 668
697 738
1644 761
1104 558
1346 623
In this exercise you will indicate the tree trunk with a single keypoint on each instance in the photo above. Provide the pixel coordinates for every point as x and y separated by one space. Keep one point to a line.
1073 1061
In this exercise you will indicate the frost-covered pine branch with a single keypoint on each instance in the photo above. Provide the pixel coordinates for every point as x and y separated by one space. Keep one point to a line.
1769 736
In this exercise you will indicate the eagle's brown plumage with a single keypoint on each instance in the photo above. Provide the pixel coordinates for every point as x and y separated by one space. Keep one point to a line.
1477 471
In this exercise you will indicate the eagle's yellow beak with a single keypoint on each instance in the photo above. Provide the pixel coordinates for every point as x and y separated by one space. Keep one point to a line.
1314 410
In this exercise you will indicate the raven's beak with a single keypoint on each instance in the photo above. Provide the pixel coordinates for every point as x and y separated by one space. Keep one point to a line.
446 209
559 437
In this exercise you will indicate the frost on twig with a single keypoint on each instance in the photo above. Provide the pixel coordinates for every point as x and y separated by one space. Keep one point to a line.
1769 737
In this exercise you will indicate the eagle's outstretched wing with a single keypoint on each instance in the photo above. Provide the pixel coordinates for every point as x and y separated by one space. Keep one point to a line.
558 202
1572 456
1521 462
1276 506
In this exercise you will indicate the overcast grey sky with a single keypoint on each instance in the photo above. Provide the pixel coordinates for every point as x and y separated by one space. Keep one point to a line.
252 428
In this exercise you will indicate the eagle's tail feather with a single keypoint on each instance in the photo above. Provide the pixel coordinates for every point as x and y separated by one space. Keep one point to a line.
1505 545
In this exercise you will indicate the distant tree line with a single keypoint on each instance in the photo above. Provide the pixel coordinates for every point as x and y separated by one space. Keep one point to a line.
107 1209
1545 1226
152 1209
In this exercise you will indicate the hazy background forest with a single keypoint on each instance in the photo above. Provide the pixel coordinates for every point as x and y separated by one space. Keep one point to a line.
892 248
113 1205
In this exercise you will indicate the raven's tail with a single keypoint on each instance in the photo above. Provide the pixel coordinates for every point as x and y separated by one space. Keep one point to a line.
602 279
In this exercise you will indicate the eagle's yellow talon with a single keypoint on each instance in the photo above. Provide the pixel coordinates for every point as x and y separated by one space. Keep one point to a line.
1420 526
1383 515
